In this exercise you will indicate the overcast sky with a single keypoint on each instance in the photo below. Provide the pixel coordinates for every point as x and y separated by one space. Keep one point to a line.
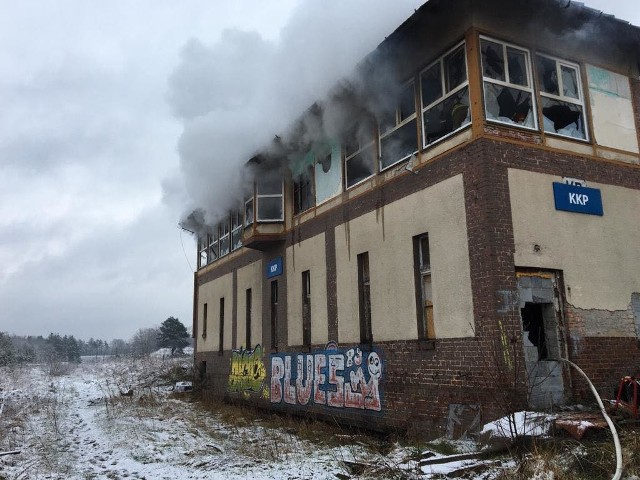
111 111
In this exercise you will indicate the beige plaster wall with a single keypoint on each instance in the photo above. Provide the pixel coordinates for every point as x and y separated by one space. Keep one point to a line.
307 255
599 256
210 293
249 277
387 234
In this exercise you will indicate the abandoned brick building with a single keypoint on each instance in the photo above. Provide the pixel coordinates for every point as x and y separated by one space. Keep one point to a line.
466 213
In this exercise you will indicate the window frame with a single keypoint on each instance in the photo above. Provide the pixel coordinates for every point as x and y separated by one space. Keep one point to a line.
203 251
364 298
236 229
221 329
306 308
247 317
204 320
444 93
361 149
531 89
426 328
305 183
224 232
214 244
399 123
580 101
259 196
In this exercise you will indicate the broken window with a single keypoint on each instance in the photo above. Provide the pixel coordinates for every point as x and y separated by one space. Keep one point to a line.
506 75
224 237
561 97
424 289
364 298
202 250
398 129
236 229
270 199
214 252
306 308
360 162
327 172
248 212
445 96
303 198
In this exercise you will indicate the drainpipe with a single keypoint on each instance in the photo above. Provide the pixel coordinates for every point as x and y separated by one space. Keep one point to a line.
616 440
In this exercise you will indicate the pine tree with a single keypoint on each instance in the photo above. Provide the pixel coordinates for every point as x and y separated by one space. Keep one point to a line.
173 335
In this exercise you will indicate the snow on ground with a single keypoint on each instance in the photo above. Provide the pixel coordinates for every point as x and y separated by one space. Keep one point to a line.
82 425
79 426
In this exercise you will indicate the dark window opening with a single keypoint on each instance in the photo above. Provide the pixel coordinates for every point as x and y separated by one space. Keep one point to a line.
361 166
274 315
306 308
364 297
204 321
424 290
533 325
221 340
303 196
248 319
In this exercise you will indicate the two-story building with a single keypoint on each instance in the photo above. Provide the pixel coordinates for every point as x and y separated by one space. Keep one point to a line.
429 240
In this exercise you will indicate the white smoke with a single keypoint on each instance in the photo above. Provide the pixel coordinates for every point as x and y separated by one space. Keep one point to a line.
233 97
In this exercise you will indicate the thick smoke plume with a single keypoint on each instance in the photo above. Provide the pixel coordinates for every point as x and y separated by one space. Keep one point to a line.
246 95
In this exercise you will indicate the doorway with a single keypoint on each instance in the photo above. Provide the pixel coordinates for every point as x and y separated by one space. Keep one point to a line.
540 312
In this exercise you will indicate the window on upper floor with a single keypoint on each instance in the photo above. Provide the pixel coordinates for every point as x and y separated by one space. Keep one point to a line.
214 250
398 129
236 229
202 250
270 199
248 212
359 149
445 96
225 241
303 197
561 97
507 84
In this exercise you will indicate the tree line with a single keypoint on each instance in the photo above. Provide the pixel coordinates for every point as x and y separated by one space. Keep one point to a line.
16 349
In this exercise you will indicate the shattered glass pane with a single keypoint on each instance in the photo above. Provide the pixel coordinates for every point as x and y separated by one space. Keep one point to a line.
431 83
248 212
398 145
508 105
270 209
202 260
236 239
224 245
455 69
517 60
492 60
563 118
360 166
447 116
569 81
213 251
548 75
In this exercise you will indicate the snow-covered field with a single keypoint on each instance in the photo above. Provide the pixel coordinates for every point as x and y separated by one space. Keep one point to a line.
118 419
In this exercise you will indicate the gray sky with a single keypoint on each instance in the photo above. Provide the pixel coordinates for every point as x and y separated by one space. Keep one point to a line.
112 111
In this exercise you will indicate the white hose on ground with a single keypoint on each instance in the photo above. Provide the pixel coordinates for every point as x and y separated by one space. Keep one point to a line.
616 440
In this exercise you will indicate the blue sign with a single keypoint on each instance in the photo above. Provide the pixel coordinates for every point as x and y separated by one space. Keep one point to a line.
274 267
575 198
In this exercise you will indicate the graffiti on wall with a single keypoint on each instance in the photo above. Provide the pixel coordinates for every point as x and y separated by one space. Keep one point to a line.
334 377
247 370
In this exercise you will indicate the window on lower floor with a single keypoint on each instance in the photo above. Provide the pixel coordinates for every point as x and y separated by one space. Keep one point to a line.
274 315
561 97
204 321
507 83
306 308
445 96
247 320
424 289
364 298
221 339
